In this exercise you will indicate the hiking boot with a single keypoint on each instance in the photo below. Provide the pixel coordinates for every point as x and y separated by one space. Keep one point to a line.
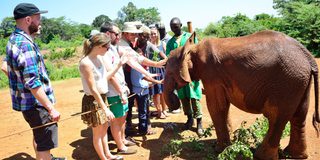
188 125
200 131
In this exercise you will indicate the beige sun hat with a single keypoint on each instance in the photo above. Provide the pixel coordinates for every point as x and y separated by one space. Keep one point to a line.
130 28
138 24
145 29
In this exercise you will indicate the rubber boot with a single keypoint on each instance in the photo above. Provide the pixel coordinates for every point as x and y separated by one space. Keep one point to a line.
199 127
188 125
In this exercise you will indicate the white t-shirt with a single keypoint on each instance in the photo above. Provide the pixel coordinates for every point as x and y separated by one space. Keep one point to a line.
113 59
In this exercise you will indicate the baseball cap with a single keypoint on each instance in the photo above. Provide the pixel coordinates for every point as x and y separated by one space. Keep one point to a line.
26 9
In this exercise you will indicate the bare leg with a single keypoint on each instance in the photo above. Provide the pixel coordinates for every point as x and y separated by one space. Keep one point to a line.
123 127
100 141
116 129
163 105
34 144
156 101
43 155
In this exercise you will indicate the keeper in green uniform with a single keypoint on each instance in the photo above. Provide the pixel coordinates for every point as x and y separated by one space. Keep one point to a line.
190 94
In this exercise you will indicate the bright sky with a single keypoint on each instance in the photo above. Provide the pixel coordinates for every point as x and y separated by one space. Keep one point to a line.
200 12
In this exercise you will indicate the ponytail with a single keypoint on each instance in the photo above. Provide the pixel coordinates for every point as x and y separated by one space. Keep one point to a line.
87 47
95 40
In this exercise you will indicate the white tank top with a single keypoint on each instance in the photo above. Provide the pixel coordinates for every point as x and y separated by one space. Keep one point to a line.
100 78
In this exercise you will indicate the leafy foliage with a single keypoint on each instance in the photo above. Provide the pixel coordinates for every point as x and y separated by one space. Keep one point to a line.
174 147
236 151
61 72
4 81
247 139
132 13
98 21
3 44
7 26
63 54
53 27
301 20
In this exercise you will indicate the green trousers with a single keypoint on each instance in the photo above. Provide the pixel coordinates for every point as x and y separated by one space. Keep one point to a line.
192 107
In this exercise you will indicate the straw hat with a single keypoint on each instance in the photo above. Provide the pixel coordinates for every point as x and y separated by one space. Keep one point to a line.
130 28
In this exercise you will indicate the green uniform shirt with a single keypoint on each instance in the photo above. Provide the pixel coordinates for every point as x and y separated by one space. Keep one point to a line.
193 89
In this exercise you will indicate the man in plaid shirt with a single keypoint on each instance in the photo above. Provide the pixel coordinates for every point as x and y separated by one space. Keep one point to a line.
29 83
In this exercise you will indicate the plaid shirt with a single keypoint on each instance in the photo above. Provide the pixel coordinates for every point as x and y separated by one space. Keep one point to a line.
26 70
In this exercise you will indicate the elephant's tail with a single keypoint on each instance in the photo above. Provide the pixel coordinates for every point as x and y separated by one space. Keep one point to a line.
316 118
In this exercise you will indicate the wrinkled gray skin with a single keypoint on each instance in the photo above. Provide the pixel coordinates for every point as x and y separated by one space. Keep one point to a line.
266 72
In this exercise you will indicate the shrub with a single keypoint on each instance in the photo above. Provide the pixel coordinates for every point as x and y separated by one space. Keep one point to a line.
247 139
4 81
64 54
62 72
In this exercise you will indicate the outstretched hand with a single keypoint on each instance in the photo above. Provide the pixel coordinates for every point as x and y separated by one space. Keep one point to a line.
161 63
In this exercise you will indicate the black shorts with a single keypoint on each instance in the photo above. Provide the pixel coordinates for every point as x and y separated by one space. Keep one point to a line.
45 137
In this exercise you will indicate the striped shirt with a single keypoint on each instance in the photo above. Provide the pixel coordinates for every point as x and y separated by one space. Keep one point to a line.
26 71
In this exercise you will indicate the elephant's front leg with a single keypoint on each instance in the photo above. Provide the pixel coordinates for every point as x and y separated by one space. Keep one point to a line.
218 107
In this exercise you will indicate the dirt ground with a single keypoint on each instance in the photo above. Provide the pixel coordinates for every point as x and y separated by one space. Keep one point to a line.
75 138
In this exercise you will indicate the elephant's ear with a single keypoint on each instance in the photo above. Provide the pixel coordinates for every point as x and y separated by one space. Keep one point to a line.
186 58
184 71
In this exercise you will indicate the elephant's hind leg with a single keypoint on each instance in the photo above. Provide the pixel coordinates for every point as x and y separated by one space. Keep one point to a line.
297 147
268 150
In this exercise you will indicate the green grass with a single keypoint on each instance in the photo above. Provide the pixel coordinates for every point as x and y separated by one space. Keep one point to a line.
61 73
4 81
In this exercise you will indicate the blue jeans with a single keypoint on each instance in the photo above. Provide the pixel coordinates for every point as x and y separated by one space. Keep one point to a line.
143 113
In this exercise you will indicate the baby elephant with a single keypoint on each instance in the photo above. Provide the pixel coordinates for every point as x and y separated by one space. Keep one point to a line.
266 72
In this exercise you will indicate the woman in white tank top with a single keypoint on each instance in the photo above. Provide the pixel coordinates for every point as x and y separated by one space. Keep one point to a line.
94 77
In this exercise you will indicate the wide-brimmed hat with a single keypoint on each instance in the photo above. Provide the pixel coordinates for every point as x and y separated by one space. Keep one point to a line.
145 29
26 9
138 24
130 28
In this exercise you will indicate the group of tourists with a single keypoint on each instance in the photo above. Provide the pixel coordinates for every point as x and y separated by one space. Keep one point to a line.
115 64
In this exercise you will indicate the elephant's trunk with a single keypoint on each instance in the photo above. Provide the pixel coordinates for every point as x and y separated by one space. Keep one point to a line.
171 99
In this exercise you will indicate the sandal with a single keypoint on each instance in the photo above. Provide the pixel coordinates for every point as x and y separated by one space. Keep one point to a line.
165 113
162 116
117 158
129 143
127 151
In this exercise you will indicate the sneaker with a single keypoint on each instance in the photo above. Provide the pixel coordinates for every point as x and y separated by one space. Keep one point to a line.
127 151
57 158
176 111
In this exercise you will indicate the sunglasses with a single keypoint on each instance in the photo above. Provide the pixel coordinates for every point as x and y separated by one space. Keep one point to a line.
115 33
